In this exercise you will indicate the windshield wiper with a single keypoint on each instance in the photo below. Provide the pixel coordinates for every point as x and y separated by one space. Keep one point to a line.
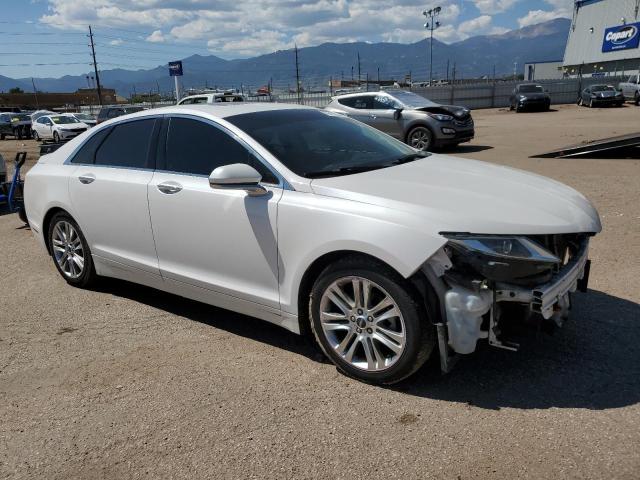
410 158
344 171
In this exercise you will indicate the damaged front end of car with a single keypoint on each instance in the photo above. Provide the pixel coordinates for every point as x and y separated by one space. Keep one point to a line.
487 284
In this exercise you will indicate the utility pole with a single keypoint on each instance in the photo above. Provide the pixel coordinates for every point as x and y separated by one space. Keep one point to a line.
352 73
359 75
378 76
431 25
95 66
297 76
515 69
35 91
447 69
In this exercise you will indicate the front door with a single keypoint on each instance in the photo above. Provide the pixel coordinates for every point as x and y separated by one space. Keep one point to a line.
109 194
383 116
223 241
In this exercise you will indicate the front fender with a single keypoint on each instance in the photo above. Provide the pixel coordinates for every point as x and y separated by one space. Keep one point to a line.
311 226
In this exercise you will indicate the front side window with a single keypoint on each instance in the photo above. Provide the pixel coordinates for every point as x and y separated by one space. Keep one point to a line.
313 143
127 145
199 100
382 102
197 148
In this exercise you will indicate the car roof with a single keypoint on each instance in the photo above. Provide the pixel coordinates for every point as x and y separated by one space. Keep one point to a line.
222 110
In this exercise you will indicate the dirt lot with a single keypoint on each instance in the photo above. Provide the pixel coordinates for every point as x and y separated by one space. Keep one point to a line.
127 382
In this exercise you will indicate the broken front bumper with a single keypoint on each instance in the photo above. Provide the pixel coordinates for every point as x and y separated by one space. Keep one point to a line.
465 311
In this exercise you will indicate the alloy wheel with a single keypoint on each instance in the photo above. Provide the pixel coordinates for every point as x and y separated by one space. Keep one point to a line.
362 323
67 249
420 138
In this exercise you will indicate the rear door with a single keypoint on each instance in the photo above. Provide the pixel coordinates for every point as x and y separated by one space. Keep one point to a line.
359 107
109 193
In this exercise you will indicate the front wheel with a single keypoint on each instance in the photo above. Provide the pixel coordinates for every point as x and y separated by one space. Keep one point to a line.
56 137
36 137
420 138
636 98
579 102
70 251
369 323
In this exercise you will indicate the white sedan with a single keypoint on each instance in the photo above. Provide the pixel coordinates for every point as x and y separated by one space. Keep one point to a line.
317 223
57 127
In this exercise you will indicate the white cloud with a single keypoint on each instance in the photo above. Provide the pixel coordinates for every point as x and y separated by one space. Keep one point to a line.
156 37
494 6
116 42
561 9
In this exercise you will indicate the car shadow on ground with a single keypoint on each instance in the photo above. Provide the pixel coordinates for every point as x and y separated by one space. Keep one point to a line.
593 362
466 149
235 323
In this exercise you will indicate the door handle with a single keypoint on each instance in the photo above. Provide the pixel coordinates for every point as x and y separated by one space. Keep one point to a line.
87 179
169 187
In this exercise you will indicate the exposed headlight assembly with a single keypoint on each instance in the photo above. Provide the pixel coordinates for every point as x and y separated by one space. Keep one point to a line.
502 258
440 117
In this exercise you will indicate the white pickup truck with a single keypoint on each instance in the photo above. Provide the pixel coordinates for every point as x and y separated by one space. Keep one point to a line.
631 89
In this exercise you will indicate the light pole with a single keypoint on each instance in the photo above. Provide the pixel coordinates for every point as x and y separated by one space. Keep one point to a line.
431 25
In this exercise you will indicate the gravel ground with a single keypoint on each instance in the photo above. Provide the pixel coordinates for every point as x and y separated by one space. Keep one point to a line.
128 382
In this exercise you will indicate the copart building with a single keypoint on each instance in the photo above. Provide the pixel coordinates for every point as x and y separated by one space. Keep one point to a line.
604 38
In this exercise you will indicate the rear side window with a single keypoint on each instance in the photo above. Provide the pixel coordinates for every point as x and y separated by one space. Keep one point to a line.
87 152
127 145
115 112
197 148
103 113
363 103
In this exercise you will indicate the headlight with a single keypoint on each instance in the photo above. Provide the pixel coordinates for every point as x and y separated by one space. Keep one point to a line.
440 117
522 97
502 258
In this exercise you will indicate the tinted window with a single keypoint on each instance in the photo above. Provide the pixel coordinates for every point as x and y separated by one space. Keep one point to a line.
87 152
198 148
127 145
115 112
199 100
103 113
310 142
382 102
362 102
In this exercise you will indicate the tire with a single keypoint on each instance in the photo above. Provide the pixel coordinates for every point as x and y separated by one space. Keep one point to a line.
56 137
362 346
591 103
36 137
2 136
420 137
18 134
62 226
518 109
636 99
579 101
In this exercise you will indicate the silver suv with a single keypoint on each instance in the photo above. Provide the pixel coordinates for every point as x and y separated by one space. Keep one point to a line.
409 117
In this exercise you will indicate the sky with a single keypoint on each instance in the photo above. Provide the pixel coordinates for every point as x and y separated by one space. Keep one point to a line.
48 38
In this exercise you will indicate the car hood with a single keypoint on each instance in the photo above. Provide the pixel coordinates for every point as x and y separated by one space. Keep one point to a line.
606 94
453 194
455 110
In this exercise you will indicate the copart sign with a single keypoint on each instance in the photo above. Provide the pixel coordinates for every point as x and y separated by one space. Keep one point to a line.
621 37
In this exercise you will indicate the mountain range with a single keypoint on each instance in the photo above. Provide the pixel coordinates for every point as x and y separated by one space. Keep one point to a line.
474 57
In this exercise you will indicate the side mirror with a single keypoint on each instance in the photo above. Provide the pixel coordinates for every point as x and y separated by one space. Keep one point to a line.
396 113
237 176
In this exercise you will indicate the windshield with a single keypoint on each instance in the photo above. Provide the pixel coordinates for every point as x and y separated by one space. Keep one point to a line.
410 99
530 89
313 143
20 117
602 88
63 119
83 116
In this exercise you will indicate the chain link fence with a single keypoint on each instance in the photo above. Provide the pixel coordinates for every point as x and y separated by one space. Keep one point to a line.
486 94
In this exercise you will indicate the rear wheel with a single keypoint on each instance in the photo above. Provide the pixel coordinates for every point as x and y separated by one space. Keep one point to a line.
591 103
420 138
70 251
636 98
369 323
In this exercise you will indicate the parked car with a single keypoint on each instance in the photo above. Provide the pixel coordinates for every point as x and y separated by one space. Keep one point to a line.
209 98
57 128
90 120
17 125
409 117
107 113
314 222
529 96
600 95
631 88
39 113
